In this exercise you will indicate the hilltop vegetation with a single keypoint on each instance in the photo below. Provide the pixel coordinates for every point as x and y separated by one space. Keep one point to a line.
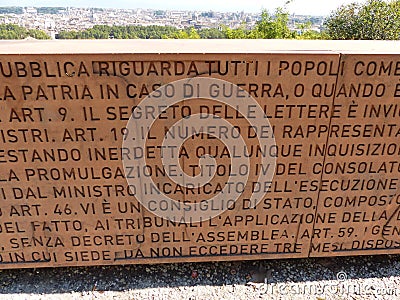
15 32
372 20
11 10
269 27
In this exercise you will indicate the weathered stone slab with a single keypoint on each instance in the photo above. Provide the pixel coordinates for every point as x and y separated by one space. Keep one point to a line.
360 181
196 152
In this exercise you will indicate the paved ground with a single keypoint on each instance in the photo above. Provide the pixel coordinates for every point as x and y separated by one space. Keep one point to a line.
363 277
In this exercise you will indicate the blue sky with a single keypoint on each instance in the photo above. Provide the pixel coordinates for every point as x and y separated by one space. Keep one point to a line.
309 7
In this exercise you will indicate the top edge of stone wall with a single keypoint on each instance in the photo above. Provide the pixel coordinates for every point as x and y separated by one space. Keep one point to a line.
196 46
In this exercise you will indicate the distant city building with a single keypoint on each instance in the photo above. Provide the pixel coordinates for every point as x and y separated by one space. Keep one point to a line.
54 20
30 10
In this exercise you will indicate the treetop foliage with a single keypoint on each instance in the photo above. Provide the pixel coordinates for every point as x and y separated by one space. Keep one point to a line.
15 32
373 20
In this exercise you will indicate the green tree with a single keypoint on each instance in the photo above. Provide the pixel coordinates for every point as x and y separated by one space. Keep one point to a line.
68 35
273 27
120 32
38 34
191 33
15 32
268 27
211 33
372 20
237 33
305 32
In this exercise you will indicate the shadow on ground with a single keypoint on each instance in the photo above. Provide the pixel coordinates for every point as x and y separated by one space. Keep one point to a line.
121 278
